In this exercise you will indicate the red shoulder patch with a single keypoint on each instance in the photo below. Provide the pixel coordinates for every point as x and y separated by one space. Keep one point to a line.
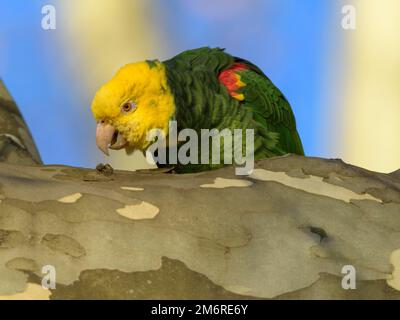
231 80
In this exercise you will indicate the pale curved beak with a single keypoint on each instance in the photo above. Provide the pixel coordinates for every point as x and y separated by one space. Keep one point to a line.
107 137
104 136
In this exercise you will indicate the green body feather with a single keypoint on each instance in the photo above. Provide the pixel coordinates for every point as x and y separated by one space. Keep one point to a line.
203 102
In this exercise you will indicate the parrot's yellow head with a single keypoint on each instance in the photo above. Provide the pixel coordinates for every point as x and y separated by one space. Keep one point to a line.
136 100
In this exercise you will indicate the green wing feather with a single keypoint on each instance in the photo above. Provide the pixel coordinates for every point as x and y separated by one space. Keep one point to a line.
213 60
203 102
270 108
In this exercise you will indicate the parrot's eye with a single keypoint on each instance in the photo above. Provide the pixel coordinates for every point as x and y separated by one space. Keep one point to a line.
128 107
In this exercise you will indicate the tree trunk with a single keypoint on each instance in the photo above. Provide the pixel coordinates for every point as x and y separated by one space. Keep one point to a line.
286 231
16 143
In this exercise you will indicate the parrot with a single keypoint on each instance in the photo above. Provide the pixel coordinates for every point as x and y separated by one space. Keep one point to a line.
204 88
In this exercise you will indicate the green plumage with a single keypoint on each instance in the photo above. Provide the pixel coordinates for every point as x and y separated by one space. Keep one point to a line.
203 102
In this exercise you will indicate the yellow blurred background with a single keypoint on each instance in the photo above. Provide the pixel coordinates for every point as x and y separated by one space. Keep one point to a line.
130 36
371 108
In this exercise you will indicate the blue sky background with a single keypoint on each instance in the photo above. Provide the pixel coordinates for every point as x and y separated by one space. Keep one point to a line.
288 39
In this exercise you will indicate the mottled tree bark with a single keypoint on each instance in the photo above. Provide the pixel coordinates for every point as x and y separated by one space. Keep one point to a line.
16 143
284 232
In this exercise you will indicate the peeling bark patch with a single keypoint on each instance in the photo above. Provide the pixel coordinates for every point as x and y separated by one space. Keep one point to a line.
63 244
132 188
238 289
11 239
328 287
14 139
313 184
319 252
33 292
174 280
143 210
70 198
220 183
394 281
23 264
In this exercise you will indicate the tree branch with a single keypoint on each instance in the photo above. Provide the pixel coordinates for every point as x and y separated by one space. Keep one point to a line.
284 232
16 143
